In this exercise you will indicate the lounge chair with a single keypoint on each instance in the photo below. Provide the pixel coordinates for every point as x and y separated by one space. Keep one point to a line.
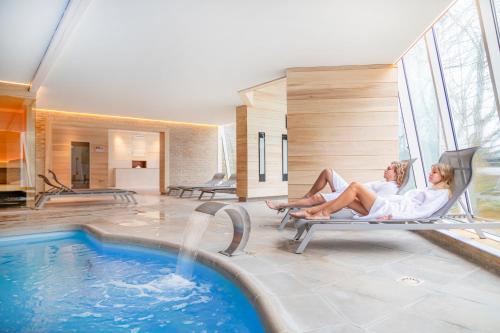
410 162
461 160
229 186
63 191
191 189
216 179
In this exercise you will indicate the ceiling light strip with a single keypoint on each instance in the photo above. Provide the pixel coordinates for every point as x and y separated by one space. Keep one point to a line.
93 115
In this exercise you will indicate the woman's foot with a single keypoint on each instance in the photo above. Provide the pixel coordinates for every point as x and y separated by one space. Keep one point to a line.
318 216
274 205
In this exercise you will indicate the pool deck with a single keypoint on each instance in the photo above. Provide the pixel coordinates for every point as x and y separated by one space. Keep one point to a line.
345 281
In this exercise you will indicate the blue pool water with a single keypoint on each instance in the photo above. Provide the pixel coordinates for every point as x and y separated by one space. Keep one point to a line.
69 282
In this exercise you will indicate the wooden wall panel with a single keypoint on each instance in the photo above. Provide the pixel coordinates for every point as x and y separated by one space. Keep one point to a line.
61 157
344 118
190 150
265 112
380 104
241 152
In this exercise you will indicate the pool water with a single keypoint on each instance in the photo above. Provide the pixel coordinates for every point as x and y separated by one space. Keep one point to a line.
70 282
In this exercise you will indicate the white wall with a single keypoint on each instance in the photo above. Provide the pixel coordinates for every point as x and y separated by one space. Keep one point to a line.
125 146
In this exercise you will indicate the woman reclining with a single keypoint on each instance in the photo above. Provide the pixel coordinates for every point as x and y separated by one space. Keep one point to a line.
412 205
394 175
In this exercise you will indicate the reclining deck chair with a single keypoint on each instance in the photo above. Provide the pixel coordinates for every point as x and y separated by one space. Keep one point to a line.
410 162
229 186
460 160
63 191
216 179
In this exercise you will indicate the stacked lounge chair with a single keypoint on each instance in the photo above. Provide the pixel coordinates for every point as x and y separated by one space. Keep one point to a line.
460 160
216 179
60 190
229 186
347 212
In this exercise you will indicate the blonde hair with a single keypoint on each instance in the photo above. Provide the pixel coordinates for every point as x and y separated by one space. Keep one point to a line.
400 169
447 173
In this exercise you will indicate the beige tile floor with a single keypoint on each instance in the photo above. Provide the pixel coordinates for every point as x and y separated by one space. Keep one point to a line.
344 282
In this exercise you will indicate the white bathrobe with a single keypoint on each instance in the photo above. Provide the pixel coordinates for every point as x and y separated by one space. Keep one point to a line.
379 187
413 204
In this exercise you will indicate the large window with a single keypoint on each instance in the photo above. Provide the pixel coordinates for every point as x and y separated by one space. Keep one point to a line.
424 104
404 151
449 95
472 100
496 14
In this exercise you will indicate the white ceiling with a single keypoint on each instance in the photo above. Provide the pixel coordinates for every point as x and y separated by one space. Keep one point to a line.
26 27
185 60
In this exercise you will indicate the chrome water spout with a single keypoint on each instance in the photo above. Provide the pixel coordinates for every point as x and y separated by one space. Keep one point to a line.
241 224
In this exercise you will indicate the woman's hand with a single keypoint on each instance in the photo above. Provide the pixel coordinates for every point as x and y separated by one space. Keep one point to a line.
384 218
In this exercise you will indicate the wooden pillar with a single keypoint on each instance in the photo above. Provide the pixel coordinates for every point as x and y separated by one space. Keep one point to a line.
164 162
241 153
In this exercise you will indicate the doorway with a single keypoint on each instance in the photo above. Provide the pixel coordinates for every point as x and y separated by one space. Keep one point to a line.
80 165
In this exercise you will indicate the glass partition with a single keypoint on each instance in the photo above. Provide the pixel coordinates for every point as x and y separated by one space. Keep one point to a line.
16 152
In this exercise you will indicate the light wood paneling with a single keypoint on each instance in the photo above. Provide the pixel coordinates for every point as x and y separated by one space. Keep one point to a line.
382 133
190 151
350 105
62 137
343 148
163 162
265 112
307 177
319 162
343 118
241 152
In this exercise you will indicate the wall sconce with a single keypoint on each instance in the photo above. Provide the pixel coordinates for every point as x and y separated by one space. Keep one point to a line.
262 157
284 157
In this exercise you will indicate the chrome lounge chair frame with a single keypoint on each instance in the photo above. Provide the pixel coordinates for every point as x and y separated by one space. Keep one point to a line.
63 191
216 179
229 186
410 162
461 160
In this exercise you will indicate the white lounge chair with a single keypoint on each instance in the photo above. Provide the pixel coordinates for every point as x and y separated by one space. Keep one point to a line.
410 162
63 191
460 160
229 186
216 179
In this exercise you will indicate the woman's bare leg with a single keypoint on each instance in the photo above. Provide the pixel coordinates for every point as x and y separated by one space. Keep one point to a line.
325 177
358 208
356 196
313 200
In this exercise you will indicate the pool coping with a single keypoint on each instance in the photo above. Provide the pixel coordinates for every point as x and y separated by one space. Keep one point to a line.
267 310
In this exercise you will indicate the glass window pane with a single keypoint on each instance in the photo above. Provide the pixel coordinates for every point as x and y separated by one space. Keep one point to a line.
424 102
496 13
404 151
472 101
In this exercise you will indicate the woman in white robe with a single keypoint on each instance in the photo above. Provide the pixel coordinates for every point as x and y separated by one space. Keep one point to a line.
369 205
393 177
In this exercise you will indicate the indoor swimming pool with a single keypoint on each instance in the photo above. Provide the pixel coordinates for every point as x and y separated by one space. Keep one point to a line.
71 282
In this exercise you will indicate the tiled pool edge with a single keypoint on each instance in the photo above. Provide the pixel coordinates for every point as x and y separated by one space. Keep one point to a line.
262 301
